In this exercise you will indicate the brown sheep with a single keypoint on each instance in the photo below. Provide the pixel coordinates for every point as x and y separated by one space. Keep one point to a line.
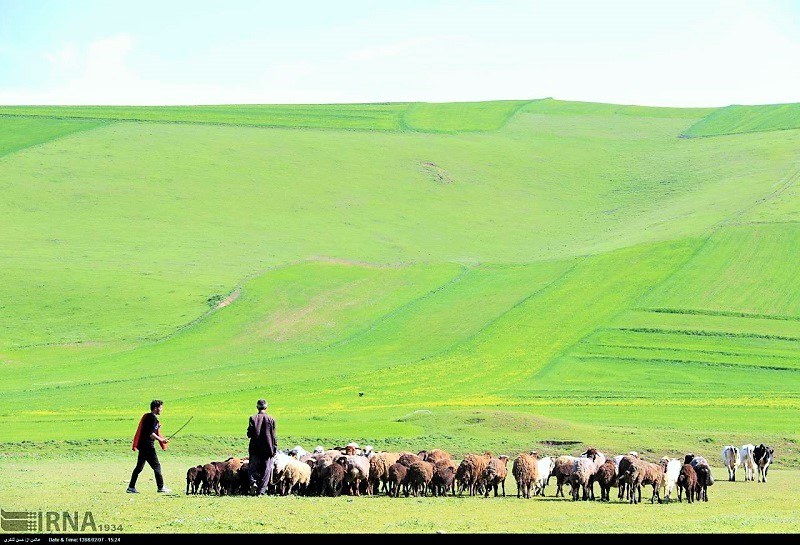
606 477
434 456
229 476
443 476
643 473
562 470
408 458
526 472
332 476
398 477
687 480
193 479
243 484
622 474
495 474
379 470
419 477
470 472
210 477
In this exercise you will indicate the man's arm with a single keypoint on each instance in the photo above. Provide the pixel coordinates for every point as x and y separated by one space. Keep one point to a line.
251 428
273 437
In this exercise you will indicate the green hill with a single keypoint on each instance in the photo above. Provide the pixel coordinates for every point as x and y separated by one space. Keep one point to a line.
741 119
495 275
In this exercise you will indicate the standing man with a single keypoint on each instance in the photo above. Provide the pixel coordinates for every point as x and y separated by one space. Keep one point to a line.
146 434
263 447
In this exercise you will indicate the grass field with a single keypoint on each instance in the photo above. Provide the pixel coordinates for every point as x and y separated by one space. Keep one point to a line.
505 276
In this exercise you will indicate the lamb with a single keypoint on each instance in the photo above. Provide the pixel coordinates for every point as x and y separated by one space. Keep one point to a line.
419 477
562 470
398 477
672 469
526 472
296 474
193 479
748 461
379 470
495 474
470 471
444 475
687 480
730 458
606 477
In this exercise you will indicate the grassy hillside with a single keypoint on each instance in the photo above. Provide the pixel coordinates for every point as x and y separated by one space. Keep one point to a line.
741 119
472 276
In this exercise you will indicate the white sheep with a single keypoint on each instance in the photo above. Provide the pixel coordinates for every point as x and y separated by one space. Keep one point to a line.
295 474
672 469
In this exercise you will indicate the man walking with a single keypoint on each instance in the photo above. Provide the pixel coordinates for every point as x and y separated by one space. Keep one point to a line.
146 434
263 447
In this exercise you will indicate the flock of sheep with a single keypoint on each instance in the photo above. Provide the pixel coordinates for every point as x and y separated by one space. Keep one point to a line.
355 471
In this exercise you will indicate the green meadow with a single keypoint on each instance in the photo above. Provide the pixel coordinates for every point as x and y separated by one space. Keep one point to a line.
502 276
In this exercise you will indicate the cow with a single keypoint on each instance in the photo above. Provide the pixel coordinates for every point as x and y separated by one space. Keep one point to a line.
730 458
748 461
763 457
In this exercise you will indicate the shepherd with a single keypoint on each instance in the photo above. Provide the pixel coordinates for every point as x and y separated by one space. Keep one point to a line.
146 434
262 449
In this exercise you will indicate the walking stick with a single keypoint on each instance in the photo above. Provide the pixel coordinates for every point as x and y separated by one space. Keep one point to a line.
179 429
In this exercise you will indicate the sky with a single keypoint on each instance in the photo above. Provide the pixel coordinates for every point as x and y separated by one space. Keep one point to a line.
671 53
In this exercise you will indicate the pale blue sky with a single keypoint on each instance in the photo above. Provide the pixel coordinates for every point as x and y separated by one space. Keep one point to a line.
682 53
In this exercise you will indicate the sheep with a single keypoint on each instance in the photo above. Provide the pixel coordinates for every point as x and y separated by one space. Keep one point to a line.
703 471
398 477
623 465
495 474
243 479
356 470
295 474
193 479
444 475
434 455
526 472
672 469
279 462
545 467
419 477
687 480
643 473
748 461
562 470
408 458
730 458
333 479
229 477
583 473
379 470
469 472
210 477
606 477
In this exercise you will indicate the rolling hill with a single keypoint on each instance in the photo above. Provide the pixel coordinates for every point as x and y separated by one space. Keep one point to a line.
475 275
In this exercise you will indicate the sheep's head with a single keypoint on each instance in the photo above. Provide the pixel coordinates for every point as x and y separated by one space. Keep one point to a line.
343 461
591 453
688 458
504 459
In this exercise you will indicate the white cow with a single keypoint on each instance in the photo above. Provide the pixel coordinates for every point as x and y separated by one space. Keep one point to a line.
730 459
748 461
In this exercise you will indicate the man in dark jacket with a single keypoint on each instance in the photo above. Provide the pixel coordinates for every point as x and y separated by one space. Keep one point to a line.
147 433
263 447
